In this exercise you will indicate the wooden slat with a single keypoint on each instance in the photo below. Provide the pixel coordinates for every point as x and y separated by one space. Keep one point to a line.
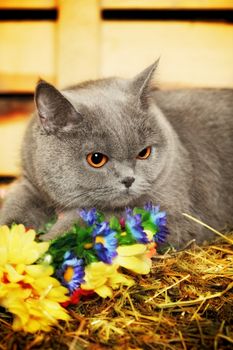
11 135
78 41
21 83
27 53
192 54
166 4
30 4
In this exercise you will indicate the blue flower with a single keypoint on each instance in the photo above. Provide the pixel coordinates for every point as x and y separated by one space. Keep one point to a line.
89 216
161 235
158 218
71 272
133 224
105 242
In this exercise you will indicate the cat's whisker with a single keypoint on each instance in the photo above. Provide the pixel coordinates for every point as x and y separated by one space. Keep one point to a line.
88 194
72 199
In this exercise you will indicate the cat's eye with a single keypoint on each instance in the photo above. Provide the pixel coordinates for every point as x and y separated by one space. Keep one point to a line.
145 153
96 160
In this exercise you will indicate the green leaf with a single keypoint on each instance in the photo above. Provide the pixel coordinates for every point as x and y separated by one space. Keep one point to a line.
81 247
65 241
145 215
125 238
90 257
115 224
100 217
148 225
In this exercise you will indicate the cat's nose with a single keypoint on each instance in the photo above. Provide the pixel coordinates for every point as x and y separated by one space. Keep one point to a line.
127 181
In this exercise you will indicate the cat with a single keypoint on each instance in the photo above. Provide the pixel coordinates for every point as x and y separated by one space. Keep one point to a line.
115 143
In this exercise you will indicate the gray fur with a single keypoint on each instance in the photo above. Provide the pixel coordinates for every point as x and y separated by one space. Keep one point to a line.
190 169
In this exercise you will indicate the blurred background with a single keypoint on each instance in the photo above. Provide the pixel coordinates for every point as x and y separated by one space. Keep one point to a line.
67 41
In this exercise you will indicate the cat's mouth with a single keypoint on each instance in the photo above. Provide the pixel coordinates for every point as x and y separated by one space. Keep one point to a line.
123 198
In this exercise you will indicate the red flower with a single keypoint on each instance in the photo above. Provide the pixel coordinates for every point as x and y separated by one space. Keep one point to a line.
76 296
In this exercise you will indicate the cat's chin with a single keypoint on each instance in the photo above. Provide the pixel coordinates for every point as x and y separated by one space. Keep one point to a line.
125 198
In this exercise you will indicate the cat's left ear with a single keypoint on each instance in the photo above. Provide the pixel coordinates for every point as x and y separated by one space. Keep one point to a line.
142 84
56 113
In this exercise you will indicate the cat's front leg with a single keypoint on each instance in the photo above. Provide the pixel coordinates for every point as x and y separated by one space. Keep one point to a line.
65 221
23 205
183 231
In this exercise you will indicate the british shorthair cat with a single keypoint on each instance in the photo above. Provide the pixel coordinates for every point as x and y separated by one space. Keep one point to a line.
116 143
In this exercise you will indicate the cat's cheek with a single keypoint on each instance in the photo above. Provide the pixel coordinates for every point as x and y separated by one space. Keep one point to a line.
145 173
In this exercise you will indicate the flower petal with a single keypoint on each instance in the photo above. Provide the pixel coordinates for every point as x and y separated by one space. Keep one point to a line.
104 291
129 250
12 274
37 271
135 264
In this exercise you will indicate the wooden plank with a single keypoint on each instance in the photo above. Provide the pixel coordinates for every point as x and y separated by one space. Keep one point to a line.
166 4
11 135
21 83
14 116
192 54
27 53
78 41
28 4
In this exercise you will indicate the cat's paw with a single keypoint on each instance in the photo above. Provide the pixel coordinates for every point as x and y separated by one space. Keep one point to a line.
63 224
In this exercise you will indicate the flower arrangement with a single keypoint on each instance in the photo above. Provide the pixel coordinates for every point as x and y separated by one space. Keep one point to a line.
39 279
27 289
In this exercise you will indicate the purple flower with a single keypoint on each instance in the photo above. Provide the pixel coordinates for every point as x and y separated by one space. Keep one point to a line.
105 242
89 216
133 223
71 272
158 218
161 235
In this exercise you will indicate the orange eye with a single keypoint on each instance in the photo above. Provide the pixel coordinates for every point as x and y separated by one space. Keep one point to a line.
97 160
145 153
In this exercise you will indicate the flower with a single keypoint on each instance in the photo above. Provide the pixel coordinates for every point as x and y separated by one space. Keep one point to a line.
135 258
17 240
133 224
159 219
89 216
151 249
71 272
105 242
27 290
76 296
103 278
161 235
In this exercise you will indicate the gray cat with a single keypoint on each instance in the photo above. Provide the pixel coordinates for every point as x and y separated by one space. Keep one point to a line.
115 143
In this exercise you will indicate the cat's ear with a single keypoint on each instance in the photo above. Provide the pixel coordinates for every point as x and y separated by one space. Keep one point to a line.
142 84
55 112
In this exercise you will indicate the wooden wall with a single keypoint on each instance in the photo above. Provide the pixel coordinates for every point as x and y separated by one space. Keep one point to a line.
68 41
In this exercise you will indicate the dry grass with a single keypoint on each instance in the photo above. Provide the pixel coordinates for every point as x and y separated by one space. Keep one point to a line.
185 303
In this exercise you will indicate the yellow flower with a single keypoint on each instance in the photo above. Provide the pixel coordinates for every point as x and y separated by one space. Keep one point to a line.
28 291
102 278
18 246
134 258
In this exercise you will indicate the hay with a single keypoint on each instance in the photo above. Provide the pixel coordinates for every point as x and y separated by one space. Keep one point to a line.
186 302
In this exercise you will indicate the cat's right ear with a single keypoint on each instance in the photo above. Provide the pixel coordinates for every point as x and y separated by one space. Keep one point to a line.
142 84
55 112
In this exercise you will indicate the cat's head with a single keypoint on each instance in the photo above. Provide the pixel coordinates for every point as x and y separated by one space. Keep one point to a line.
100 143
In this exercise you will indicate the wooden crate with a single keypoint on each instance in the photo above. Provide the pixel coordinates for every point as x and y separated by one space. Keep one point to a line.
11 135
27 53
167 4
78 54
31 4
191 53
